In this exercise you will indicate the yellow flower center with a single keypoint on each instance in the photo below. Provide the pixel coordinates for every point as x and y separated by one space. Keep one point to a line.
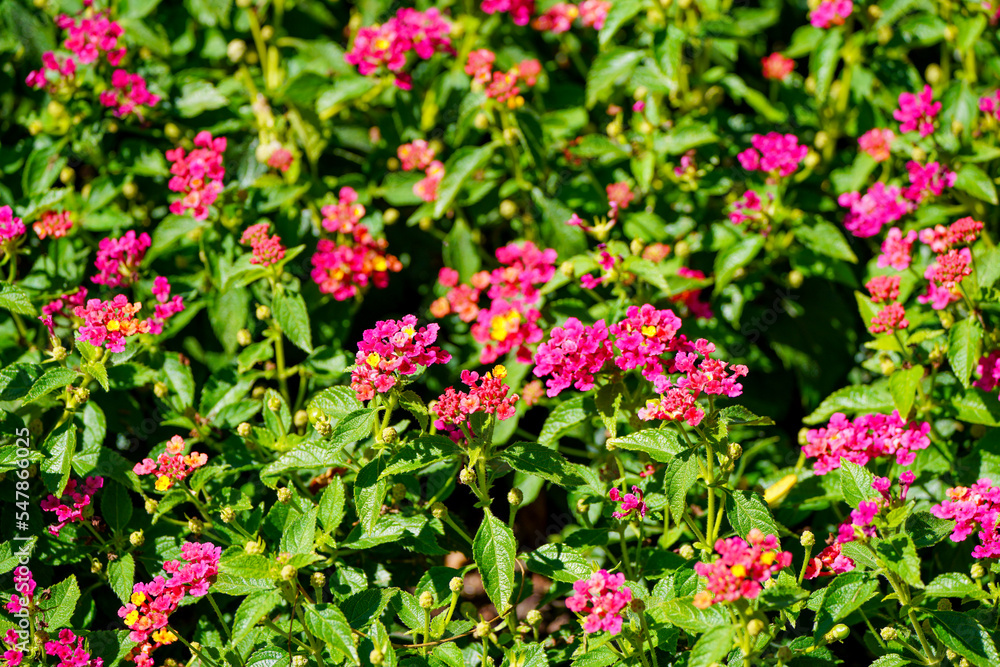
381 44
499 371
649 330
502 326
132 617
410 332
163 483
380 264
113 325
138 598
738 571
373 359
164 636
767 558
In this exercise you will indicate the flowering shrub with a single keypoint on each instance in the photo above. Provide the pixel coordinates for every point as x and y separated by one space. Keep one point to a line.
499 333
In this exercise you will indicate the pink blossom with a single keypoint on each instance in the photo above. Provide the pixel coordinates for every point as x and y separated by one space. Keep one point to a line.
281 159
990 104
489 397
941 238
118 259
520 11
889 319
879 206
24 584
749 209
427 187
559 18
344 269
68 508
896 249
629 502
345 214
691 299
593 13
917 111
167 307
197 175
877 143
388 45
777 67
265 248
863 439
742 568
416 155
619 197
90 36
973 509
392 349
127 93
53 223
63 307
69 649
830 561
63 71
883 288
505 326
572 355
479 66
11 227
831 13
109 323
988 371
603 598
776 154
172 465
925 181
643 337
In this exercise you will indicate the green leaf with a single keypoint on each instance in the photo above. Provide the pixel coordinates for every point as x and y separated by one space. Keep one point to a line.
965 339
54 378
366 606
254 607
854 399
98 371
336 403
228 313
121 576
533 459
559 562
659 444
561 419
60 446
845 594
891 660
269 657
608 68
460 166
747 510
460 252
241 573
926 529
327 623
966 637
16 300
61 604
494 549
412 403
976 406
353 427
291 314
903 384
116 506
976 182
737 415
823 62
735 257
300 533
621 12
369 493
900 556
310 454
826 239
42 168
331 505
856 483
422 452
711 647
197 97
679 478
955 585
682 613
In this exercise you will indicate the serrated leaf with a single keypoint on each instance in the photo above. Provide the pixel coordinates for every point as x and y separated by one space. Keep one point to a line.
98 371
116 505
711 647
900 555
659 444
61 604
532 458
955 585
331 505
291 314
254 607
966 637
16 300
826 239
121 576
494 549
679 478
844 595
621 12
366 606
976 182
241 573
327 623
747 510
856 483
60 446
735 257
460 166
563 417
965 340
420 453
854 399
369 493
559 562
608 68
54 378
903 384
976 406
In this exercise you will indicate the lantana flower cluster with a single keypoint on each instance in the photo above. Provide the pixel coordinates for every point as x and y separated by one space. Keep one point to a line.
487 394
778 155
419 155
752 212
118 259
603 598
69 506
510 321
776 67
355 260
55 224
742 568
70 651
197 175
501 86
11 228
559 17
392 349
829 13
917 111
520 11
173 465
266 248
388 45
167 307
629 502
864 438
109 323
973 509
149 607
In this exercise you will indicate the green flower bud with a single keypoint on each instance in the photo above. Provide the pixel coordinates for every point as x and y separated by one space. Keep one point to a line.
96 566
534 617
686 551
807 539
300 419
482 629
944 605
161 390
467 476
137 538
426 600
253 548
456 585
784 654
195 525
439 511
389 435
838 633
274 403
317 579
227 514
889 633
324 428
243 337
284 495
288 573
151 505
755 627
398 491
300 661
515 497
376 657
263 312
977 571
243 430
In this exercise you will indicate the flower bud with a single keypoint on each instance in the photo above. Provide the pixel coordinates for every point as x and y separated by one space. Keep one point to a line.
439 511
82 395
263 312
171 131
682 249
735 450
950 33
566 268
807 539
508 209
888 633
243 337
243 430
300 661
227 515
96 566
481 121
534 617
523 629
151 505
253 548
426 600
755 627
398 491
195 525
582 506
784 654
161 390
838 633
324 428
686 551
137 538
67 175
515 497
266 32
288 573
944 604
58 352
951 655
426 223
235 50
456 585
317 579
933 74
637 605
390 216
389 435
482 629
977 571
376 657
274 403
284 495
467 476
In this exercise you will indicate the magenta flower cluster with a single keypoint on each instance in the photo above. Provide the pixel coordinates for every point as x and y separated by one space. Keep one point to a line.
118 259
392 349
973 509
865 438
775 154
69 506
742 568
197 175
603 598
389 44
